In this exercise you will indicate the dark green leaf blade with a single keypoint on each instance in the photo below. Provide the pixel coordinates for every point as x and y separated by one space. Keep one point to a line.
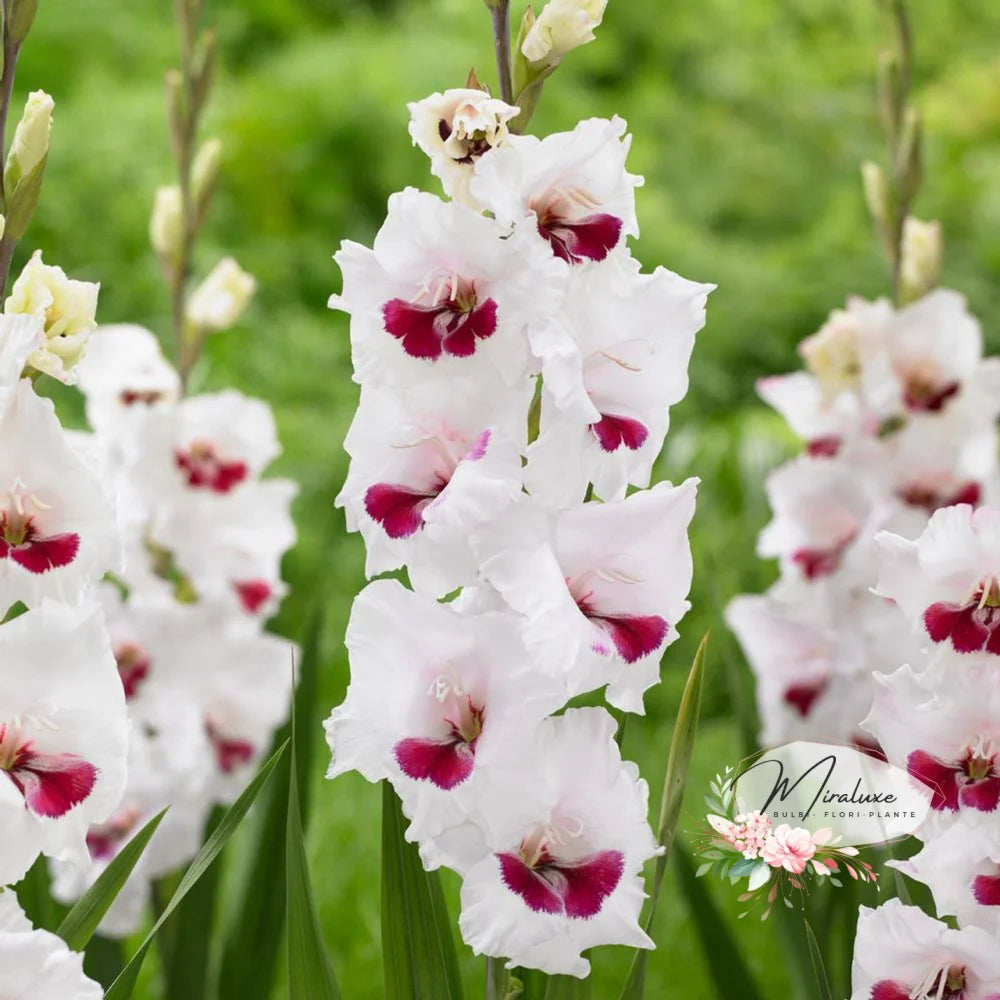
732 977
418 950
81 922
260 910
823 990
678 761
310 973
122 987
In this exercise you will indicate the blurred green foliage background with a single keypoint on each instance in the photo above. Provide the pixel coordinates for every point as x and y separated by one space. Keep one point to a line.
750 118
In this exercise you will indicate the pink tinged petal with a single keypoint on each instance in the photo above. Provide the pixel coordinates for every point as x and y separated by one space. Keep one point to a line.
398 509
982 795
478 450
52 784
590 238
802 696
203 469
887 989
253 594
634 636
102 844
970 493
986 890
523 881
445 763
39 554
613 431
940 777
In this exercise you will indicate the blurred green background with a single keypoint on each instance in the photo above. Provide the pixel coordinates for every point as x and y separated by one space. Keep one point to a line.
750 118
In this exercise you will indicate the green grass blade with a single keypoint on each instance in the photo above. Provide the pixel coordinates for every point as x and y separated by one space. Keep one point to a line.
79 924
823 991
122 987
260 910
732 978
678 762
188 955
418 950
310 973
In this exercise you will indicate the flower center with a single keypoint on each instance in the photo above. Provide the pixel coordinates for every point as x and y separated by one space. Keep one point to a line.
51 783
925 390
21 539
445 317
568 220
550 876
632 636
971 626
972 781
203 468
104 839
817 562
448 760
133 667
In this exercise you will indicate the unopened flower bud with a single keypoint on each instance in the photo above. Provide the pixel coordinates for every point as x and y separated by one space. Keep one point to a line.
219 301
20 18
166 224
562 26
204 170
921 256
68 309
31 137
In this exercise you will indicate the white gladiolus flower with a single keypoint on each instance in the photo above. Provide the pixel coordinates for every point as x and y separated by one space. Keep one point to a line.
124 373
426 470
454 129
900 953
58 527
67 307
443 288
37 965
570 190
569 878
601 586
435 699
605 407
221 298
562 26
63 734
19 337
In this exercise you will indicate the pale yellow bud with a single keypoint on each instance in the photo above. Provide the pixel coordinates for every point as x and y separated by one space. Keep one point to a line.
67 308
833 354
921 256
219 301
205 169
31 137
562 26
166 224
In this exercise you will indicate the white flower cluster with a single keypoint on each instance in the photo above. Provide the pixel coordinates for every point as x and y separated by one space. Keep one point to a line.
942 723
63 722
898 412
203 537
516 374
